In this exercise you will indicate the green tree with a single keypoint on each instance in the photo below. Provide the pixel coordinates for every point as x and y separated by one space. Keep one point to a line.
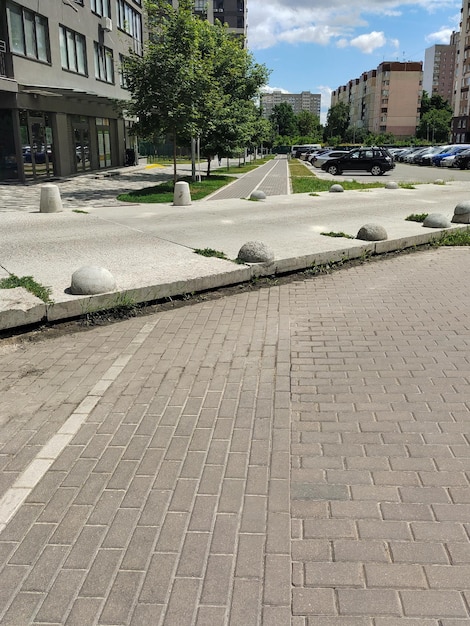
337 121
230 117
434 125
194 79
308 125
283 120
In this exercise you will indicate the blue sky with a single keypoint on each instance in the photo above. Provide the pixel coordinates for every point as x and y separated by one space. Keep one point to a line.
319 45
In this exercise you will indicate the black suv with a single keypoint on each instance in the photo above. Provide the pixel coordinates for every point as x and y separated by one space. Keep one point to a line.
374 160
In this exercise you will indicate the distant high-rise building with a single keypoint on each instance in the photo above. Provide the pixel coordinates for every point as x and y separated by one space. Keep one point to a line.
230 12
384 100
439 70
304 101
461 119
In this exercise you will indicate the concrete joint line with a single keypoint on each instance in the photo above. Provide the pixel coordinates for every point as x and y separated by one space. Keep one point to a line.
27 481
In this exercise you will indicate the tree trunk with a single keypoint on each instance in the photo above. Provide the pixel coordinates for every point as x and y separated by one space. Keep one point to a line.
208 167
175 175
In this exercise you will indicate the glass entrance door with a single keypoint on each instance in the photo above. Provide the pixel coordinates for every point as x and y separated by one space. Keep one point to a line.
81 135
38 145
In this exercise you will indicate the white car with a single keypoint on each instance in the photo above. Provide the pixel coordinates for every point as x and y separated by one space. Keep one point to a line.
448 161
333 154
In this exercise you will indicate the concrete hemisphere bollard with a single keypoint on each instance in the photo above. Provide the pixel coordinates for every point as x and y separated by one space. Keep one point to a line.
439 181
255 252
257 194
436 220
391 184
182 195
462 213
91 280
336 188
372 232
50 200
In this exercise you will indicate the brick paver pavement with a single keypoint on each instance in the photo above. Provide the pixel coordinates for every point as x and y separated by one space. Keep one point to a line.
297 455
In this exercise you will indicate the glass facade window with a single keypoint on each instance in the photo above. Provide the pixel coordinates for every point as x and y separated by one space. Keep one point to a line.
104 65
29 33
130 21
72 51
101 7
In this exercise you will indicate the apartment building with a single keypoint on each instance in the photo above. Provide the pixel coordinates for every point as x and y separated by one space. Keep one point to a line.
304 101
60 75
384 100
439 69
230 12
460 130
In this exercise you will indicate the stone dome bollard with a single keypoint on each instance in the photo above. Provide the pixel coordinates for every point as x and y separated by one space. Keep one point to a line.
50 201
91 280
336 188
255 252
182 195
257 194
436 220
391 184
462 213
372 232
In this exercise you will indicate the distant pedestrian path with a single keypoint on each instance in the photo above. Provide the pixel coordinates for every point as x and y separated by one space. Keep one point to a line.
272 178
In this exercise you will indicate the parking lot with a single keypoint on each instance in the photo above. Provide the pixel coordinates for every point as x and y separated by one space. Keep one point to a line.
403 173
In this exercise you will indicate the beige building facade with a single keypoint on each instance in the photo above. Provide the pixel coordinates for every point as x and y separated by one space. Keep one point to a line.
439 70
460 131
384 100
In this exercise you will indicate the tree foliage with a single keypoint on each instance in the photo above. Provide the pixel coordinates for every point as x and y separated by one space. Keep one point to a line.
436 117
337 121
193 80
283 119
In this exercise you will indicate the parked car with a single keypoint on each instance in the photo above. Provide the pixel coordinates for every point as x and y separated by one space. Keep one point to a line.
426 158
462 160
423 158
332 154
401 156
437 158
413 156
448 161
373 159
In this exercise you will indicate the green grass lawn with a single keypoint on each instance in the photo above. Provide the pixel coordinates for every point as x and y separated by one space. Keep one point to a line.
164 192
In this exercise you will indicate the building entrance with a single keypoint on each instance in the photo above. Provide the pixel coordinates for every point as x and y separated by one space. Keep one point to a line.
37 145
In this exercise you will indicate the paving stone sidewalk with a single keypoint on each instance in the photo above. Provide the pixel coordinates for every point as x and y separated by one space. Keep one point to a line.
297 455
100 189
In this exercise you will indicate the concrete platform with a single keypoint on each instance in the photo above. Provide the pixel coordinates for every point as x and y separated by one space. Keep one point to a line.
149 248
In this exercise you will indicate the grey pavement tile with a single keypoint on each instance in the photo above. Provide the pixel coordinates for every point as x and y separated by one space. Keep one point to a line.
180 477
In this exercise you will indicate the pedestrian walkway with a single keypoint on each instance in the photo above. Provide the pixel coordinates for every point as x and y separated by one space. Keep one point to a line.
290 456
100 189
272 178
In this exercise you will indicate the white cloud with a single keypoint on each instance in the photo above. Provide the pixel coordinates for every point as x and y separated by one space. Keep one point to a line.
324 21
269 89
369 42
441 36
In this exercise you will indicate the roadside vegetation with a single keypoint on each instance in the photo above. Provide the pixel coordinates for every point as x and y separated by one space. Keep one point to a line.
164 192
304 180
28 283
